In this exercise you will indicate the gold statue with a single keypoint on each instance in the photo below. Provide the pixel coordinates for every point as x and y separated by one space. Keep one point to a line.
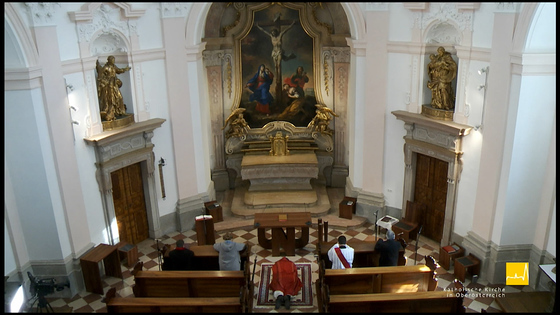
322 119
442 69
108 89
238 126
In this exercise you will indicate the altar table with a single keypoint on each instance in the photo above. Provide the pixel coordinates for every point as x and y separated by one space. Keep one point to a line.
280 238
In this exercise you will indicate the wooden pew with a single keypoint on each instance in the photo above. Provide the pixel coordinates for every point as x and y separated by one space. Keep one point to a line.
410 302
379 279
448 301
375 280
206 257
196 283
171 305
364 253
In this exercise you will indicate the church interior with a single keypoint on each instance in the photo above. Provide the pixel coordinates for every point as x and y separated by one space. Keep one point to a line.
129 126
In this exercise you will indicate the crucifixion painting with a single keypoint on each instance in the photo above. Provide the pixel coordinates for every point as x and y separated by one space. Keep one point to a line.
276 40
277 67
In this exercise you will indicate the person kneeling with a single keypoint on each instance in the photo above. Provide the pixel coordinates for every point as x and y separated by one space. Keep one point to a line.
285 282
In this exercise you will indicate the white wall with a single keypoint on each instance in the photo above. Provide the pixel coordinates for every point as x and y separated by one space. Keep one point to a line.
393 154
535 118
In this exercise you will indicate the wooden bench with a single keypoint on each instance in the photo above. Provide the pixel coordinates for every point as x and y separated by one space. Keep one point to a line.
411 302
171 305
379 279
206 257
195 283
364 251
375 280
447 301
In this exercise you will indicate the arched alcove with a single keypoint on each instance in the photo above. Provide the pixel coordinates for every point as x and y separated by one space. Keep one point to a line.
226 26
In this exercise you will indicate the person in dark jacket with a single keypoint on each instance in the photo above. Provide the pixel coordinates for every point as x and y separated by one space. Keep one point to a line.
180 258
388 249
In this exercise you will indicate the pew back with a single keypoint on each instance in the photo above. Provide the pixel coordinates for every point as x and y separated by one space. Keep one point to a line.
172 305
189 283
378 279
412 302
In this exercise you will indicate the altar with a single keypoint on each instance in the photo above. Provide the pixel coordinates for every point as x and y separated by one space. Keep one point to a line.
280 180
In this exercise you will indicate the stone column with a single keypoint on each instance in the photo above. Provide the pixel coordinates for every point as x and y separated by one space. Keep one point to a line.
216 83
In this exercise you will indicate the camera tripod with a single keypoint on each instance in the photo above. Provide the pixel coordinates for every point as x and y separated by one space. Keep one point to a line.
38 289
42 304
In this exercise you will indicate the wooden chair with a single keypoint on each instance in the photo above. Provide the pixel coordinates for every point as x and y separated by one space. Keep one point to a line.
137 267
409 225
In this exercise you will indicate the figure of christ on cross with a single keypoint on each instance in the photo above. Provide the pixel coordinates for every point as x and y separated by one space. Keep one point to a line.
277 52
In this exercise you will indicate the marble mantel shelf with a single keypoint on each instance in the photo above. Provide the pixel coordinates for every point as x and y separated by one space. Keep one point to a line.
449 127
117 134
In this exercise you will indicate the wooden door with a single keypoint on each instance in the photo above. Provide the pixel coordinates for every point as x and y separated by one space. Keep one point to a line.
130 206
430 189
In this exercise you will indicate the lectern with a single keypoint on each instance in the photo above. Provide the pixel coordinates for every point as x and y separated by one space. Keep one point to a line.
204 225
347 207
215 210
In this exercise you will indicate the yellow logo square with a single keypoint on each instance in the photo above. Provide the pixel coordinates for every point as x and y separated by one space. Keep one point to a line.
517 273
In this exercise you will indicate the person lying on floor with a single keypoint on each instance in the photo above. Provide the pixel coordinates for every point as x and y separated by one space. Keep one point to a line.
285 282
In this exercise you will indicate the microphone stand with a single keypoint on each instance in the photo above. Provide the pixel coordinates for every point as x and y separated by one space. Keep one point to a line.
416 245
254 267
376 226
158 254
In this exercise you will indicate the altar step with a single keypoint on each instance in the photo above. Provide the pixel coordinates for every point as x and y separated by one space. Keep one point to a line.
237 216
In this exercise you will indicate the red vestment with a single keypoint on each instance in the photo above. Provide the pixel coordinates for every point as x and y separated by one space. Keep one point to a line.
284 277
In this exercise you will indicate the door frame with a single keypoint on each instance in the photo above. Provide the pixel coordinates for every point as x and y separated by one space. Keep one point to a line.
412 148
120 148
438 139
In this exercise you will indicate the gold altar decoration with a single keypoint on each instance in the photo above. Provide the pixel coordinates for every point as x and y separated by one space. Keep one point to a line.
238 126
279 145
320 123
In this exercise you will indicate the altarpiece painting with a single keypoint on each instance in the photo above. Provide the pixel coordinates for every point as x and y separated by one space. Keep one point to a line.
277 69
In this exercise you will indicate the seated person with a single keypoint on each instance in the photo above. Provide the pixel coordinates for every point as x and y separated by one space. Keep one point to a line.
341 255
285 282
388 249
230 258
180 258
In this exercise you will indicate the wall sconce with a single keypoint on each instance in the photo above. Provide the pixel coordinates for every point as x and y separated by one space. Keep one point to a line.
161 162
480 87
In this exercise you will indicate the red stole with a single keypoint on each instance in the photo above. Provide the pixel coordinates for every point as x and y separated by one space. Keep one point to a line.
342 258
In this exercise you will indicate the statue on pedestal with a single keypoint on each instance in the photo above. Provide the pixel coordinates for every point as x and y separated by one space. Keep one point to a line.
442 69
108 90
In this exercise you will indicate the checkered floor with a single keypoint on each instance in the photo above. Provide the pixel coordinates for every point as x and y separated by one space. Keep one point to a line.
86 302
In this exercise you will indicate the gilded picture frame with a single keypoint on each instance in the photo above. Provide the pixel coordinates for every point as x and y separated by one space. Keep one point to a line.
277 68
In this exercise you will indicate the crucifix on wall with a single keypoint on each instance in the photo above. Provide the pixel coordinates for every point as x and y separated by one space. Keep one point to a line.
277 52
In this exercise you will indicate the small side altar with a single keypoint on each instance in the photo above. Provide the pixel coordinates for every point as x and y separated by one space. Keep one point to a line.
280 179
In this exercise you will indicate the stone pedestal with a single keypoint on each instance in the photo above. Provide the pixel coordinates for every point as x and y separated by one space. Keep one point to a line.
436 113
